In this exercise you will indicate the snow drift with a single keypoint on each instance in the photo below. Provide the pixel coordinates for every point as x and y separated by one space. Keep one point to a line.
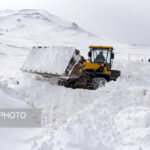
117 118
9 99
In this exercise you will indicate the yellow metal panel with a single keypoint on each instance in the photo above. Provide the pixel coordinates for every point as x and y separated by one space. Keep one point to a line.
106 71
91 46
88 65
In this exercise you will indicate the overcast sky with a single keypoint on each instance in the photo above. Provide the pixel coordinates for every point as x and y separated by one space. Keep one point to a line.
123 20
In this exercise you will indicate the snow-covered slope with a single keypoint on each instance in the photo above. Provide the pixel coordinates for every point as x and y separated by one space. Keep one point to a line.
32 20
39 27
28 28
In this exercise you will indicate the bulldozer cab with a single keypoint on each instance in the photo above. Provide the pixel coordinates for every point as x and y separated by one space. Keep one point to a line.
102 55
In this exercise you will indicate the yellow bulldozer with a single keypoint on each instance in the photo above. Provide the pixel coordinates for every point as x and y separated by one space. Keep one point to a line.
92 73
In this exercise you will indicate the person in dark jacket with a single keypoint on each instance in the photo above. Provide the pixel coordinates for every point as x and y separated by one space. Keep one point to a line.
100 57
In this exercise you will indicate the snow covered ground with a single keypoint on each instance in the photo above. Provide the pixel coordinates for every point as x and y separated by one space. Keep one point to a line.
114 117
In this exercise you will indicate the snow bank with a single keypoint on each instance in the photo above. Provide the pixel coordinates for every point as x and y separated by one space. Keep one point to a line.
118 119
15 138
58 103
52 60
133 125
84 132
8 98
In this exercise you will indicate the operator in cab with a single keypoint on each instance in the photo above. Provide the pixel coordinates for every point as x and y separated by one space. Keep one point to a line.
100 57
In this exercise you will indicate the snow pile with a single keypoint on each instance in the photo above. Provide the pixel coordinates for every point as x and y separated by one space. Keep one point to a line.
118 118
87 130
8 98
18 138
57 103
52 60
133 125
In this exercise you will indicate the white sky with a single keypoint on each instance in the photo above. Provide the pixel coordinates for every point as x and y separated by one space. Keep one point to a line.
124 20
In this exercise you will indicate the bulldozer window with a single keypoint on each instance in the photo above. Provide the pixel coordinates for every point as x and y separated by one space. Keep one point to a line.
102 56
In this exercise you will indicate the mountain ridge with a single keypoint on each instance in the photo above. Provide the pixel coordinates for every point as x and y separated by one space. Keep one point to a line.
11 20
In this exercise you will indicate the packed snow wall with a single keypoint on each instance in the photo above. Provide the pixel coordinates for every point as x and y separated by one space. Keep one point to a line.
51 60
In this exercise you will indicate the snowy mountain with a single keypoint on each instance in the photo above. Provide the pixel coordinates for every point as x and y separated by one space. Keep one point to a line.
29 20
38 27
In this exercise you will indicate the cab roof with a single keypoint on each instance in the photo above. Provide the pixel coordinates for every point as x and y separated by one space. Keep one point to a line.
104 47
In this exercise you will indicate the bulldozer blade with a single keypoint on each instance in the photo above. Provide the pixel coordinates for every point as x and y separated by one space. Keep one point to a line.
75 65
57 61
